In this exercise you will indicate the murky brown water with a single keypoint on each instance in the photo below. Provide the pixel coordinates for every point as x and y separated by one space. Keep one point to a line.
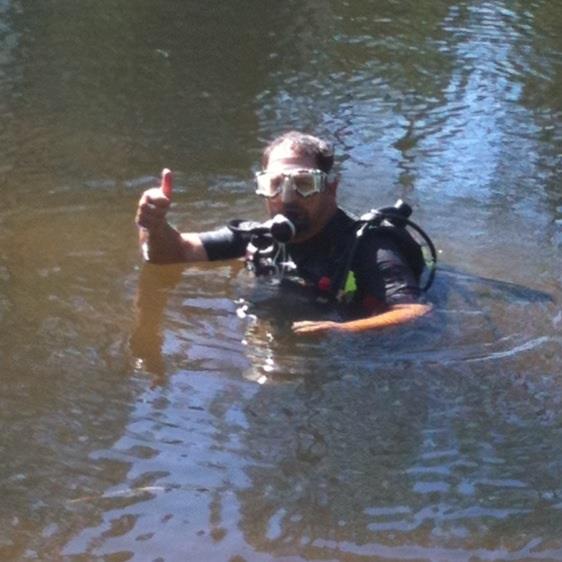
160 414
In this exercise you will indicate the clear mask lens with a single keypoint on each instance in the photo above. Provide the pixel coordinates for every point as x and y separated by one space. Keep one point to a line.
304 182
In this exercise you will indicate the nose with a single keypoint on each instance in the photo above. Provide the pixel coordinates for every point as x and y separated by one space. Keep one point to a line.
287 191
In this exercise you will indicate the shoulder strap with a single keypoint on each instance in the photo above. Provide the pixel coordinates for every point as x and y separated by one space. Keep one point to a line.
413 253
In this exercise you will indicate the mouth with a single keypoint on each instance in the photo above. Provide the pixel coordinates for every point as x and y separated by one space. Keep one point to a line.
299 218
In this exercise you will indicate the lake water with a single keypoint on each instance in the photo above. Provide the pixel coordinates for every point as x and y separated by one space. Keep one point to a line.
161 414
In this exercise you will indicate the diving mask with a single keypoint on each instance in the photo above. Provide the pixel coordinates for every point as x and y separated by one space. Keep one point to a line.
305 182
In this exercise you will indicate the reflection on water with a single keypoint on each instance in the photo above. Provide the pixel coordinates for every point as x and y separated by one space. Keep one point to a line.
169 414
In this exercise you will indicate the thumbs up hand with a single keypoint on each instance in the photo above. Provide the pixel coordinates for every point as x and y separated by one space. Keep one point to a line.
166 186
154 204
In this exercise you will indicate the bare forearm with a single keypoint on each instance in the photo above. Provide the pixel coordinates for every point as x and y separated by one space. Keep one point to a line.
398 314
167 245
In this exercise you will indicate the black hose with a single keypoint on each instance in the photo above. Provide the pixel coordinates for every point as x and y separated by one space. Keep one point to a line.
433 266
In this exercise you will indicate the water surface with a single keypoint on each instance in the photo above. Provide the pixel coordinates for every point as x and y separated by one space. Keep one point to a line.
169 414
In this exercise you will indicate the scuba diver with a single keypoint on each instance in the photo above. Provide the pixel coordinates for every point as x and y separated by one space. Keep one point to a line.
374 264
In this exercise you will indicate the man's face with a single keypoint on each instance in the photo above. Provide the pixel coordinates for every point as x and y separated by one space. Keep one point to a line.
309 214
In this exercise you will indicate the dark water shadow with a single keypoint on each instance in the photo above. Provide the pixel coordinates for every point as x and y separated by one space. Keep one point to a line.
146 341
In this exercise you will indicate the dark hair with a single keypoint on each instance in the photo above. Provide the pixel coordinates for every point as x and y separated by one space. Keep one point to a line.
305 145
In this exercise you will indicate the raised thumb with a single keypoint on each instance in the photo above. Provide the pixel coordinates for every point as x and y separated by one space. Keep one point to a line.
166 185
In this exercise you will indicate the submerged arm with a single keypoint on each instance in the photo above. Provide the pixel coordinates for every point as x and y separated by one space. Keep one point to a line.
394 316
386 277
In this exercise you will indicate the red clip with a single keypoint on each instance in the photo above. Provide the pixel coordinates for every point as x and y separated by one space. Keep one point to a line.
324 283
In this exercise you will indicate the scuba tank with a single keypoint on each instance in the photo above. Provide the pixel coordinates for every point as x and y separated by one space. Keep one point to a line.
395 222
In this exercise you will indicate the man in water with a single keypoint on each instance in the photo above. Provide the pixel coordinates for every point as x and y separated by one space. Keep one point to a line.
297 182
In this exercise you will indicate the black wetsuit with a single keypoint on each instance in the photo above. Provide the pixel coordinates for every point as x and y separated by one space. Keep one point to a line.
383 273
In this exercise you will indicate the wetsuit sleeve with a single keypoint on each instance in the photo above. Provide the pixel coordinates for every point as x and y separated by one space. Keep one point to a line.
383 276
223 244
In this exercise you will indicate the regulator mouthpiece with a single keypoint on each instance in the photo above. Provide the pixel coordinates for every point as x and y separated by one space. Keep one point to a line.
282 229
279 229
